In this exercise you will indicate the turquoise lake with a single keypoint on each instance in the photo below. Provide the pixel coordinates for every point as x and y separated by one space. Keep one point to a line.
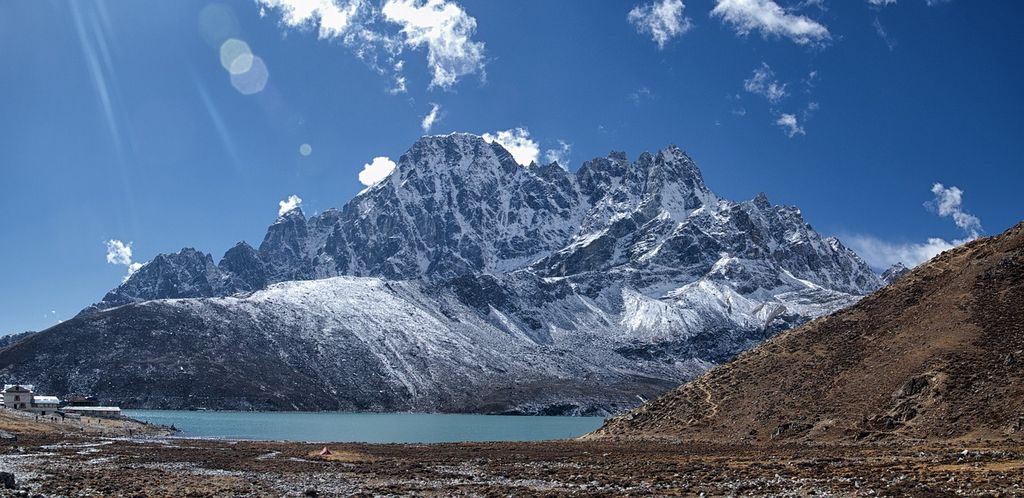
367 427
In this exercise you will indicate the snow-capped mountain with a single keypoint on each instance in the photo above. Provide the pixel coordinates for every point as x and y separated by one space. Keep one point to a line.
459 205
464 281
893 273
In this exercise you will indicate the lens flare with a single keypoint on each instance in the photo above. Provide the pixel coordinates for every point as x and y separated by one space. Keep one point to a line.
217 22
235 56
241 64
305 149
252 81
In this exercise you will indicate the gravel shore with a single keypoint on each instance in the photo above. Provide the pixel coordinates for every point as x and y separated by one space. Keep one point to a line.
49 461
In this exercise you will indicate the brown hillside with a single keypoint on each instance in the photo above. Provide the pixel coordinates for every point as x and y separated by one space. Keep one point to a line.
938 355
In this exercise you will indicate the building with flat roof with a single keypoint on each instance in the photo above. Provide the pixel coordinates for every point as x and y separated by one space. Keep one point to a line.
45 405
94 411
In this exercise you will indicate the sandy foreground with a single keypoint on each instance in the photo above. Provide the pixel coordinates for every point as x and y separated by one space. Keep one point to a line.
99 458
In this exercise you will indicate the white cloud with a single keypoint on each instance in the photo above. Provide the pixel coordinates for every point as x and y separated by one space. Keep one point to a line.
376 171
132 268
763 83
559 155
663 20
517 142
292 202
790 125
430 118
770 19
949 202
446 30
119 253
332 18
443 27
882 254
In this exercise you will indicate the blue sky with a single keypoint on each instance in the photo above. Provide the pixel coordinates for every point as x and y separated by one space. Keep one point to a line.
118 120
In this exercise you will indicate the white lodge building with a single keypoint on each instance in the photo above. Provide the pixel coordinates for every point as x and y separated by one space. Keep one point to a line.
18 396
22 397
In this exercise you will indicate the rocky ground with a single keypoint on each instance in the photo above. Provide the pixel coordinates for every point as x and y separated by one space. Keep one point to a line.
48 460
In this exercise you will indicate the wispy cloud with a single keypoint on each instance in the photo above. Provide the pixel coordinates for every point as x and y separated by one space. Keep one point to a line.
883 3
881 254
517 142
293 201
790 125
432 117
560 154
380 36
662 20
641 94
948 202
376 170
769 19
883 34
763 83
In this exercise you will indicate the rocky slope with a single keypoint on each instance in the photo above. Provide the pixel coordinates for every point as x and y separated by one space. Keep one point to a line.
507 288
937 355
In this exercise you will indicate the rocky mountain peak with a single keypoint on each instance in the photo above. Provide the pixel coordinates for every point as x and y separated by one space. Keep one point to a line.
284 247
674 184
761 201
293 215
894 272
463 153
186 273
243 266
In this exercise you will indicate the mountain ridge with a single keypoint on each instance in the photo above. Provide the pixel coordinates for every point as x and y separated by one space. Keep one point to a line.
581 290
604 189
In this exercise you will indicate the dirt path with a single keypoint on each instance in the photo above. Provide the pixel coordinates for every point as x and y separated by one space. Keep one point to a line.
708 397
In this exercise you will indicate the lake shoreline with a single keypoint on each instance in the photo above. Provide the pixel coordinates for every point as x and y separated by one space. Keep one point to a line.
73 464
